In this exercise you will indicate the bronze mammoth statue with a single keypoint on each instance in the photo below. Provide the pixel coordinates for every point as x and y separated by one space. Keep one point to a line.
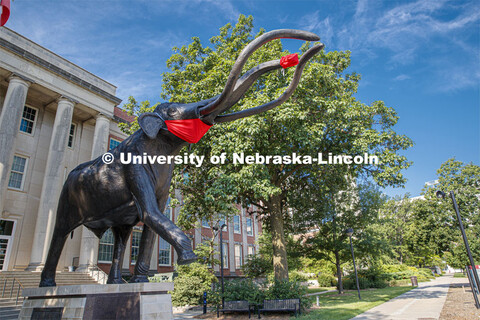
118 196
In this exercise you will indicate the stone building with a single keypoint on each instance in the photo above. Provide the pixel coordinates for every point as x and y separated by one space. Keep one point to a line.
55 115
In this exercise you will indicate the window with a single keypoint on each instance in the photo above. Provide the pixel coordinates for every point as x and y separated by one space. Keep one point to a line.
105 249
6 227
225 255
17 174
251 250
168 209
28 120
249 227
164 247
238 255
136 236
113 143
71 135
236 224
163 252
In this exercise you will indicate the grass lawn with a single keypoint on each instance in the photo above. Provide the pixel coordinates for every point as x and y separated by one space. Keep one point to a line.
459 275
320 289
346 306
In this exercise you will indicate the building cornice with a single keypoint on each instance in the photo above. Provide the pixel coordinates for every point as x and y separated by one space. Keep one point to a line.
56 70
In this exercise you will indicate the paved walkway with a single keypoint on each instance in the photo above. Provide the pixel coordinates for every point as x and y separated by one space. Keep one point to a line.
424 302
187 315
190 314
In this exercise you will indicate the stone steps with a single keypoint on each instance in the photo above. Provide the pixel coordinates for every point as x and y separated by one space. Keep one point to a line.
8 309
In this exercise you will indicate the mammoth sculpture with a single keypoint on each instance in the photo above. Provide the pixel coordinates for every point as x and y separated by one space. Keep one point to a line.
118 196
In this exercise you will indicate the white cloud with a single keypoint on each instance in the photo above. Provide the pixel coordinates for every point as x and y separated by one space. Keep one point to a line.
406 35
312 22
401 77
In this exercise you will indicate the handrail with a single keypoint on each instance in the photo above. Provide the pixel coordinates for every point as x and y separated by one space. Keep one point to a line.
19 285
95 272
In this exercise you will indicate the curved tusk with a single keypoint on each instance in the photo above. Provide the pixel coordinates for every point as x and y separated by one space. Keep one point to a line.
242 58
243 84
288 92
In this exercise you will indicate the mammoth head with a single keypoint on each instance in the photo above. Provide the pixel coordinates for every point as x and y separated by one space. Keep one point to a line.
192 120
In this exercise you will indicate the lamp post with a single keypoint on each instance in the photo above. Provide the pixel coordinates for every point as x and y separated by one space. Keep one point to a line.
441 194
349 233
220 230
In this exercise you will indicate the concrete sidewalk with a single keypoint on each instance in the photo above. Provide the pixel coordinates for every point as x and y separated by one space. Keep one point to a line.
424 302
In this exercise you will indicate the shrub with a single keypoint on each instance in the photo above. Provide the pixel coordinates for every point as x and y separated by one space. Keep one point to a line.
188 291
297 276
327 280
256 266
284 289
391 268
192 281
426 272
199 270
244 289
349 283
247 289
372 277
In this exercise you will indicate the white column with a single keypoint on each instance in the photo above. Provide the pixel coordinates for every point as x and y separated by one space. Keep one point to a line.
216 242
52 184
90 242
255 231
9 123
244 235
231 243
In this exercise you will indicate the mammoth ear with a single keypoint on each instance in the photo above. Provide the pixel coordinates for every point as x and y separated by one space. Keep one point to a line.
150 123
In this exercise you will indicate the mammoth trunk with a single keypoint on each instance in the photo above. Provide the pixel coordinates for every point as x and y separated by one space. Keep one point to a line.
280 265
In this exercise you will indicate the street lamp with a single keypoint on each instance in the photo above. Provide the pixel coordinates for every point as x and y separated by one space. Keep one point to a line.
220 230
441 195
349 233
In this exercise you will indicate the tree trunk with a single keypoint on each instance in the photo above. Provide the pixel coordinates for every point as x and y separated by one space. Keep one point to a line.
280 265
337 255
339 272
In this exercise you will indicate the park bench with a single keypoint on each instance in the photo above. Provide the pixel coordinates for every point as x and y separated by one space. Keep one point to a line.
280 305
235 306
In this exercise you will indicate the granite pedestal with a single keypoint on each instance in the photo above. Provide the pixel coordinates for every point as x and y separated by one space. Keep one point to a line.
106 301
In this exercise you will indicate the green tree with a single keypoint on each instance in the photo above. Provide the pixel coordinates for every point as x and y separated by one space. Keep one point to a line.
423 229
322 116
395 219
464 180
356 207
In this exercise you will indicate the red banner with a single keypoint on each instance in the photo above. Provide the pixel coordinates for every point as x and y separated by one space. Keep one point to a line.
5 4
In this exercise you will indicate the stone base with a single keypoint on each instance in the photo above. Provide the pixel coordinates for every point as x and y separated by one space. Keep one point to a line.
105 301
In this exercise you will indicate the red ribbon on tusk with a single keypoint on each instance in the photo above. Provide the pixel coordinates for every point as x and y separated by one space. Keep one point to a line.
289 61
5 4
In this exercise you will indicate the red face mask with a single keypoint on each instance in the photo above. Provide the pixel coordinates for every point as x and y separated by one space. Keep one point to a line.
190 130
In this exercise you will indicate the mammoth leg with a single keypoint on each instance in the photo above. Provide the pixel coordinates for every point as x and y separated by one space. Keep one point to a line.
65 222
145 251
121 235
152 216
56 245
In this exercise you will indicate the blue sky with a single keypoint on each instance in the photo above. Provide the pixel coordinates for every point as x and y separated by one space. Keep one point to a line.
420 57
